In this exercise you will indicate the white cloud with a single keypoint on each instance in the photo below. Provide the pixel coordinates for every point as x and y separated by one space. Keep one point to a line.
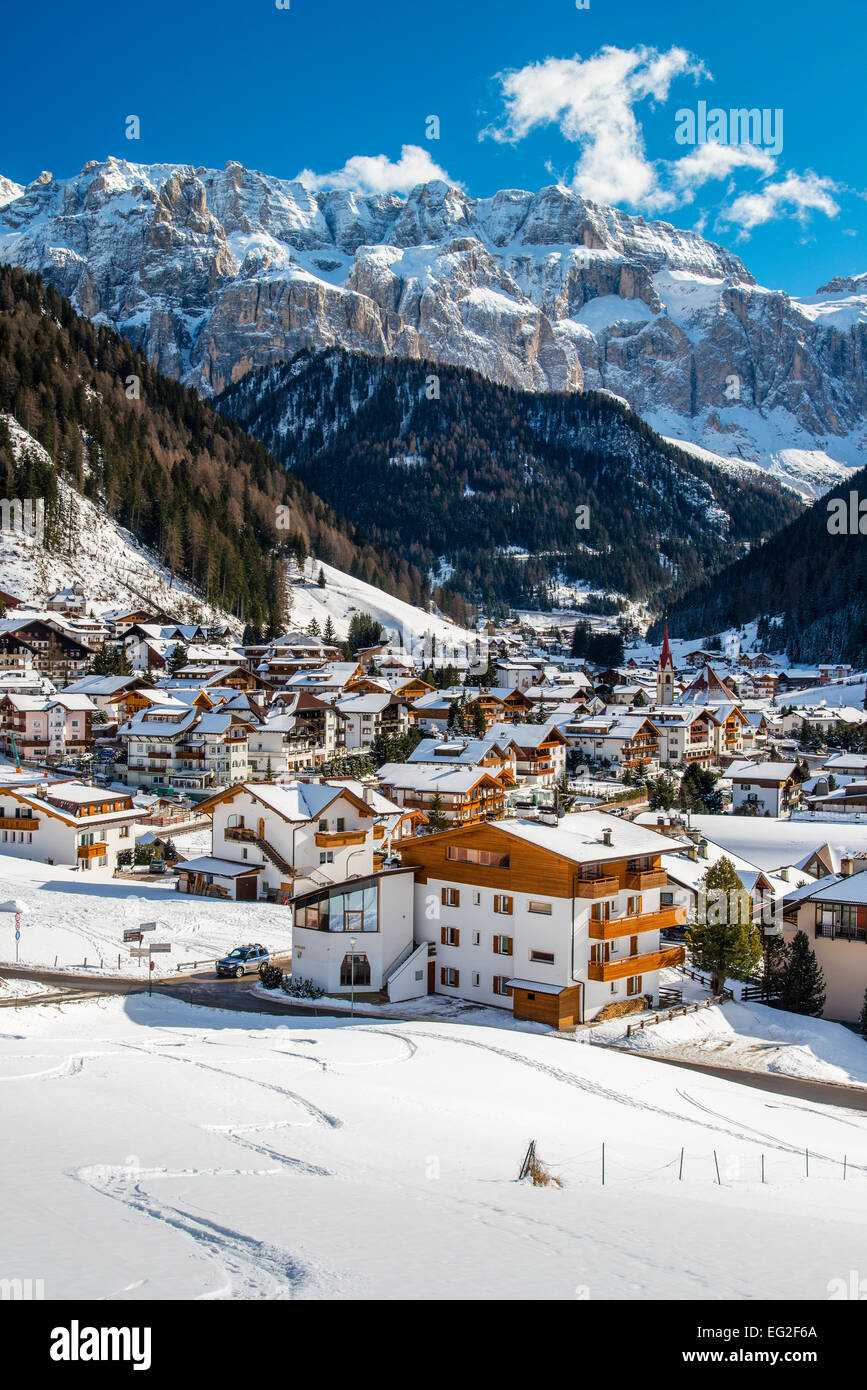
592 103
711 161
376 173
795 195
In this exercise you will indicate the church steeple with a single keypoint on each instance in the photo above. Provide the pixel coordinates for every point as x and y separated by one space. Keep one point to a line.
665 673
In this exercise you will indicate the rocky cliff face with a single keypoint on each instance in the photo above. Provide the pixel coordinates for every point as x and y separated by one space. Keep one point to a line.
215 272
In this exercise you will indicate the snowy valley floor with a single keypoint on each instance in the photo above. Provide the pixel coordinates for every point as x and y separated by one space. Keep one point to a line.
154 1150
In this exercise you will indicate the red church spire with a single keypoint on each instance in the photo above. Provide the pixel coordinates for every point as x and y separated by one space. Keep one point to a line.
665 658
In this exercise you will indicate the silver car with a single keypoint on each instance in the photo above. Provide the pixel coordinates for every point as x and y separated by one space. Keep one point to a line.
244 960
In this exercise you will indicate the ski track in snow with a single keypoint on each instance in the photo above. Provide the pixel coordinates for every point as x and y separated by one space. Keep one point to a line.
237 1134
251 1268
746 1133
319 1117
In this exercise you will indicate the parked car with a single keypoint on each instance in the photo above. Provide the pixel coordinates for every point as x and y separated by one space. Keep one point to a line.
244 960
157 866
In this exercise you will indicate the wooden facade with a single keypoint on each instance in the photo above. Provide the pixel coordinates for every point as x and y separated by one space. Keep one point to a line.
560 1010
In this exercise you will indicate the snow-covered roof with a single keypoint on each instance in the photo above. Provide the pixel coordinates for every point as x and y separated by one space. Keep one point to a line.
579 837
770 843
225 868
764 772
847 888
431 777
537 987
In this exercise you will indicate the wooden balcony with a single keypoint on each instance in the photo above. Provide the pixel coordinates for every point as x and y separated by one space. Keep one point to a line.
379 832
631 926
92 851
645 878
622 966
339 839
597 887
19 823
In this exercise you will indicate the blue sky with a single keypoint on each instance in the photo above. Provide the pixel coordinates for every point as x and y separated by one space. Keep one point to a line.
586 96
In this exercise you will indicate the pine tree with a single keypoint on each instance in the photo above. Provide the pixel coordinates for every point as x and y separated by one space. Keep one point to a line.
480 724
328 633
802 984
662 793
724 939
321 580
436 816
176 659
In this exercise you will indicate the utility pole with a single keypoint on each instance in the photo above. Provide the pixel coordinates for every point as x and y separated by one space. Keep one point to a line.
352 975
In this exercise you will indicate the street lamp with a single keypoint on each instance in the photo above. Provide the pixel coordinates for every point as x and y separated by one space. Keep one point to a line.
352 974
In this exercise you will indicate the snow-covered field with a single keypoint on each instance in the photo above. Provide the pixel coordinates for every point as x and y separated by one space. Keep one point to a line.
194 1153
851 693
70 917
344 596
754 1037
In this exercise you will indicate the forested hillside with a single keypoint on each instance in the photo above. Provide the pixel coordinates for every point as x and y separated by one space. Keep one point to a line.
187 482
485 483
807 586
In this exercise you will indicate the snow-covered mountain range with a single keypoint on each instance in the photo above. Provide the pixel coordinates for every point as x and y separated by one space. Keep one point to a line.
214 272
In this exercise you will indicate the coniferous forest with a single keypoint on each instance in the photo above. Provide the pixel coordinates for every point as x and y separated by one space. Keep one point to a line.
484 484
807 586
187 482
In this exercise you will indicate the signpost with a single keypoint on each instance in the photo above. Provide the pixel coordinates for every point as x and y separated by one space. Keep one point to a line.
151 949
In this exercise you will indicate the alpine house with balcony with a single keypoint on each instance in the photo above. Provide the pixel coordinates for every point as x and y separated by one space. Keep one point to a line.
274 839
560 922
67 822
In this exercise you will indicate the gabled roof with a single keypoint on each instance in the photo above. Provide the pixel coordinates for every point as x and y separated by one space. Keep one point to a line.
431 777
297 801
838 888
707 688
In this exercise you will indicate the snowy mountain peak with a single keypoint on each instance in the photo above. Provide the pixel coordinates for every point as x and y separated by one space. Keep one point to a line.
214 272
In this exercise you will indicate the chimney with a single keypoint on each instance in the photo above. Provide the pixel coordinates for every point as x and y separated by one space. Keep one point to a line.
702 849
847 866
784 874
692 853
606 835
